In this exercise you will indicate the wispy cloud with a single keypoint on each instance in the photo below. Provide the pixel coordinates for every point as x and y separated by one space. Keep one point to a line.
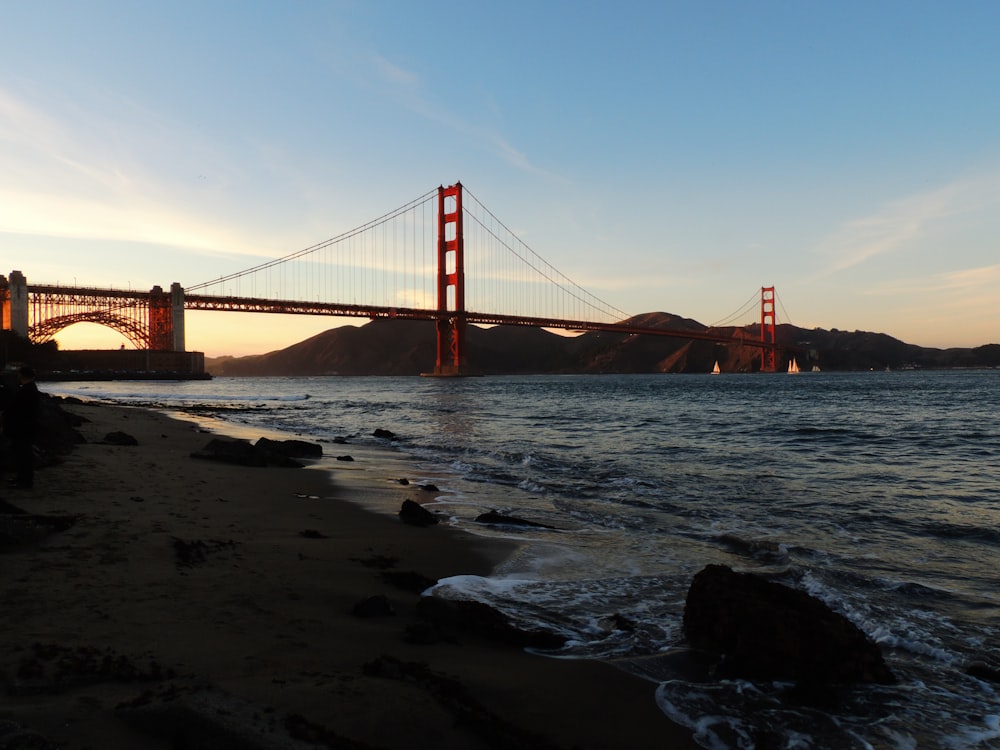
958 282
395 74
899 223
409 86
73 173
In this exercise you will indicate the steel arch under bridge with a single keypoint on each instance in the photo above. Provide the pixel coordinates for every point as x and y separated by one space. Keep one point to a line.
152 320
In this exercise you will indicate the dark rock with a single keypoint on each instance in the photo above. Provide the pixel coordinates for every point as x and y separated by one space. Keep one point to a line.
762 549
345 458
374 606
498 519
313 534
455 616
404 481
243 453
619 622
983 671
55 433
385 434
119 438
761 630
429 488
228 451
416 514
340 440
291 448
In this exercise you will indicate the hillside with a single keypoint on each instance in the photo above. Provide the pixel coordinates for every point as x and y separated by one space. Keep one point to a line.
400 347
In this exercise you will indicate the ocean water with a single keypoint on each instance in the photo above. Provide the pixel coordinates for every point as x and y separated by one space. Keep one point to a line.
877 492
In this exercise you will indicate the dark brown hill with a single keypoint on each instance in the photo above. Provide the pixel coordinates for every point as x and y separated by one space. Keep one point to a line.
401 347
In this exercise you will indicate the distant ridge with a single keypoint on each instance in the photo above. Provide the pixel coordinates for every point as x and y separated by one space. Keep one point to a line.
404 347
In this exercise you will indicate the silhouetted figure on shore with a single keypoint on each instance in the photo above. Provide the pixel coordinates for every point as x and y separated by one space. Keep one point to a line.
20 420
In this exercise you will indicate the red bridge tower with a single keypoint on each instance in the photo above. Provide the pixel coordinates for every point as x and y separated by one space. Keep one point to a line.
450 283
767 329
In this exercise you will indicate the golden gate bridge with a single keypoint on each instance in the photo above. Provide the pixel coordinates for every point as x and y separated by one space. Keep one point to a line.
442 257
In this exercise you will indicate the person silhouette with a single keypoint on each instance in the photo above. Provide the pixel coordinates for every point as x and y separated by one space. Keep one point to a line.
20 420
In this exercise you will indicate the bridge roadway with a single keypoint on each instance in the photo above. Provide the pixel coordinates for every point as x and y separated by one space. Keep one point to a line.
154 320
289 307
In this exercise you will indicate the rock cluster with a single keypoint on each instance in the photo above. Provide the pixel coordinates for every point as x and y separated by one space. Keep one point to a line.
264 452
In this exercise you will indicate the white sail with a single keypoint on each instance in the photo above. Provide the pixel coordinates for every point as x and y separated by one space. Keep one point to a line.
793 366
716 370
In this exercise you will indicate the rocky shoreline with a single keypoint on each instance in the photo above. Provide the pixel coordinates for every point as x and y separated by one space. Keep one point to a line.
156 600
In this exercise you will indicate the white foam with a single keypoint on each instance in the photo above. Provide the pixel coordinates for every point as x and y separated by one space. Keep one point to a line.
477 587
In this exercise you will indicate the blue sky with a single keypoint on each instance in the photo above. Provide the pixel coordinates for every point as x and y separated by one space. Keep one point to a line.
671 156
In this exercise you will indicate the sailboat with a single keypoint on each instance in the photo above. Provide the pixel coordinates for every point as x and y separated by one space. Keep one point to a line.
793 367
716 370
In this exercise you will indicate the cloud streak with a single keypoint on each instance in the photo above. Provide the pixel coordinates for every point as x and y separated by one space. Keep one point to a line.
900 223
409 85
963 281
80 175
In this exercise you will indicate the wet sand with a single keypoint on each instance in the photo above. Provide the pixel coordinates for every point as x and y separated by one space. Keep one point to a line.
197 604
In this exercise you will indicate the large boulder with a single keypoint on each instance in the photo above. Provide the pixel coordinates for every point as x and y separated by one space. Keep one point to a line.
243 453
119 438
291 448
416 514
761 630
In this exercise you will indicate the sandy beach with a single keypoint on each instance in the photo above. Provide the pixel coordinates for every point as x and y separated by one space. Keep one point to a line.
166 601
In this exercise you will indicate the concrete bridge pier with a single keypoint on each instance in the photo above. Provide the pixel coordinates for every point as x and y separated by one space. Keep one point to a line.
14 303
177 316
166 319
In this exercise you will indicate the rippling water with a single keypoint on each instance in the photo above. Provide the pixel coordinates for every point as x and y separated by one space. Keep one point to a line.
877 492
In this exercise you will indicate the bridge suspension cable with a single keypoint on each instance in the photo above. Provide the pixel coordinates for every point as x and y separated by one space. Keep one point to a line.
505 276
784 312
387 261
748 310
390 262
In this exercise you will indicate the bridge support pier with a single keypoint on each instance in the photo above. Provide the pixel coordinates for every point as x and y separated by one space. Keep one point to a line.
14 303
177 317
166 319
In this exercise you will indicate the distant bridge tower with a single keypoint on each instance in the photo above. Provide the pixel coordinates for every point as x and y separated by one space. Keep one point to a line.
450 283
767 329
